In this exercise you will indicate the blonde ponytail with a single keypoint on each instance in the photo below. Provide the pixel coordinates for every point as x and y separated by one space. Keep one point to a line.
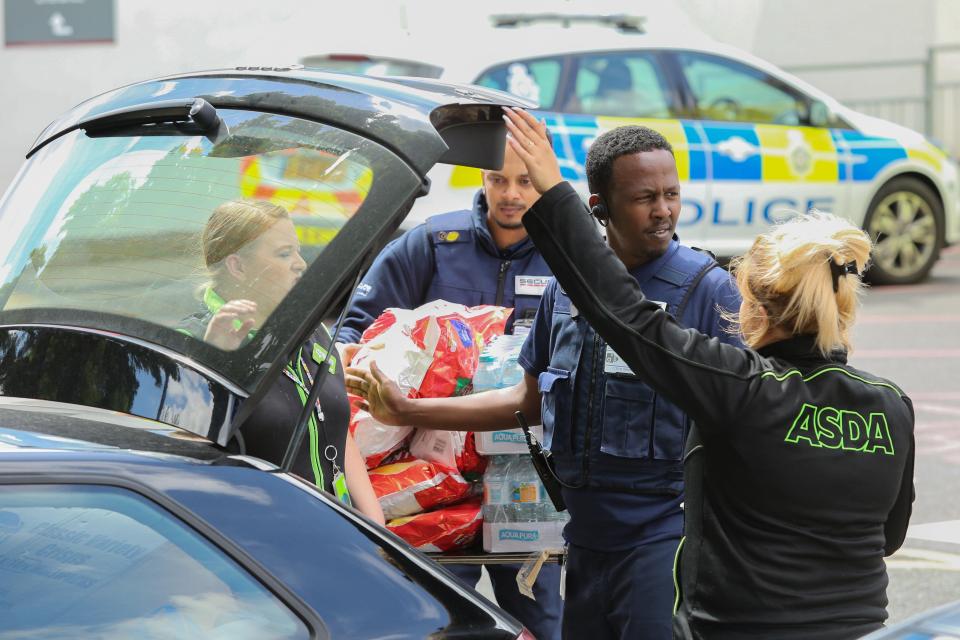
787 272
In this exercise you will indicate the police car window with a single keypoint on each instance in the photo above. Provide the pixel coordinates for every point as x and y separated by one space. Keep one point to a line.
727 90
535 80
616 84
102 562
152 226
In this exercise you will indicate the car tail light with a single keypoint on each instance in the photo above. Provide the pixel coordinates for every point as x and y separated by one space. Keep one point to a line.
526 635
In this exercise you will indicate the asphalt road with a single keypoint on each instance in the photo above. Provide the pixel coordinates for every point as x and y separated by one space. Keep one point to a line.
911 335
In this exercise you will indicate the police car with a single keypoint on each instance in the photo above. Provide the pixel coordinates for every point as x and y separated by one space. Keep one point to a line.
753 144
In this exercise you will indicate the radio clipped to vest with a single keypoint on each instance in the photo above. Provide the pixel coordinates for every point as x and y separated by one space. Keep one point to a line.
543 463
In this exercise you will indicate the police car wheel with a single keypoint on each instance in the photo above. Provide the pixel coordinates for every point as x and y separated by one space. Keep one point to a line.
905 223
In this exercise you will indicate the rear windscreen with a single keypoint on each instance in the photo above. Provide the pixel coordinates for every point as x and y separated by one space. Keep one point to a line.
176 229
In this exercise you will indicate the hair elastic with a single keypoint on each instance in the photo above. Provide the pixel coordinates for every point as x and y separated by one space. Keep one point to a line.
837 270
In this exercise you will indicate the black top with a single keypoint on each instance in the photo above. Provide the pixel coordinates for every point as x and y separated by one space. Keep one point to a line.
798 477
268 430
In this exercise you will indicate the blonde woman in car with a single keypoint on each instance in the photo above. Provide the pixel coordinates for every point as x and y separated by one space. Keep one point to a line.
252 255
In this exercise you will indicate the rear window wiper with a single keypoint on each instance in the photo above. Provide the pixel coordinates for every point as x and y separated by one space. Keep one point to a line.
194 114
185 117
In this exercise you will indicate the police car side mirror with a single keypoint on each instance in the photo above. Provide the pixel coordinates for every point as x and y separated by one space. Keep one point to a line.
820 115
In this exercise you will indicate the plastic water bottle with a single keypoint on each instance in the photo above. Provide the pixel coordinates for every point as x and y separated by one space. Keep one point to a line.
549 513
526 491
494 478
495 498
487 376
510 371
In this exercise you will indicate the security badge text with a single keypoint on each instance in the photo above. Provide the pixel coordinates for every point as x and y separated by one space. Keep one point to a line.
364 289
320 356
613 364
530 285
832 428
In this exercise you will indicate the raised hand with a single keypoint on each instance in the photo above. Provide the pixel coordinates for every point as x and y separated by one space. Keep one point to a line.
383 399
528 138
231 324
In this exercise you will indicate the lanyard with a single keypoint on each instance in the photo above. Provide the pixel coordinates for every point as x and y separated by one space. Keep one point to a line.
330 451
297 376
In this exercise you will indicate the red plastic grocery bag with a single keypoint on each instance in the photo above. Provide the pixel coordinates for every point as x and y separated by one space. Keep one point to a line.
431 351
455 449
447 529
412 486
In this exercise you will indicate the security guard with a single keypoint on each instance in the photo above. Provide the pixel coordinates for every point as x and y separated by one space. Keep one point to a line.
617 444
471 257
474 256
799 473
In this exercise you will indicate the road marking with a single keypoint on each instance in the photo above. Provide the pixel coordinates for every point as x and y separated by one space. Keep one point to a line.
946 531
937 408
950 427
934 395
913 288
907 318
864 354
909 558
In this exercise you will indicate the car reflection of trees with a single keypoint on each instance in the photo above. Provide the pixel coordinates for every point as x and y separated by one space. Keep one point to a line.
26 355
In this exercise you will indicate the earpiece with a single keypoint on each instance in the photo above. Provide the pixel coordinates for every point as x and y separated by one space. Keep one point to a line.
599 211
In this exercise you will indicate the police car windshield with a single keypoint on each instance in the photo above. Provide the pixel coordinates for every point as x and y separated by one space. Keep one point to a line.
119 231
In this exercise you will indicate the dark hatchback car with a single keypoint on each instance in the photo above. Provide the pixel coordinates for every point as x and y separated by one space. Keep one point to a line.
939 623
124 511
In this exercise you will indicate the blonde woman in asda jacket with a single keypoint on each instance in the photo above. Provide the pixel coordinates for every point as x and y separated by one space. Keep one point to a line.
799 473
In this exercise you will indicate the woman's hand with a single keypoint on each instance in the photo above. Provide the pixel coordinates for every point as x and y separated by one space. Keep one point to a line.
231 324
383 399
528 138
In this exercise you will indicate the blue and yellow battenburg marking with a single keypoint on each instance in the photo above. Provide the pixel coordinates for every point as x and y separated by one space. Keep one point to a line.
733 151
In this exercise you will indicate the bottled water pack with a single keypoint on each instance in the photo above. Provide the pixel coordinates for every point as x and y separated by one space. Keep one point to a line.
517 513
498 368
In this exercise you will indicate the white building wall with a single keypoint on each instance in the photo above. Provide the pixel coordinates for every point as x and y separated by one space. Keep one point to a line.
40 82
159 38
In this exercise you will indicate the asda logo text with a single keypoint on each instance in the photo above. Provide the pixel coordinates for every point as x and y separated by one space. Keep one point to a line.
833 428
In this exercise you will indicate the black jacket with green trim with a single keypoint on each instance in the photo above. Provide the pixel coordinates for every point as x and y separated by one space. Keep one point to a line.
268 430
798 477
